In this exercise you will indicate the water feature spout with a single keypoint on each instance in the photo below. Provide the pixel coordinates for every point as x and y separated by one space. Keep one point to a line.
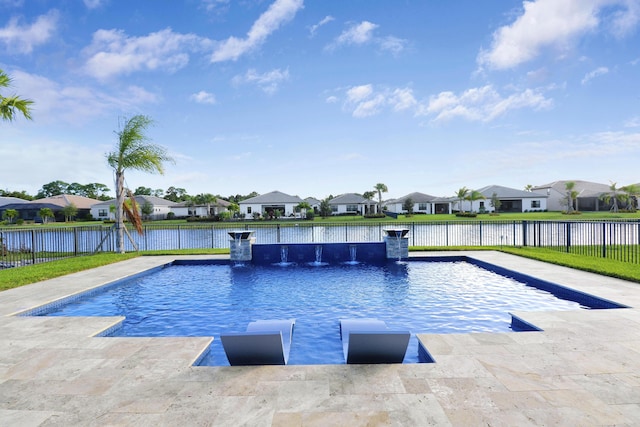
284 254
318 254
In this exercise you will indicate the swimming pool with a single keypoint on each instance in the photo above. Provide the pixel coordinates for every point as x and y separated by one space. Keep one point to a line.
207 299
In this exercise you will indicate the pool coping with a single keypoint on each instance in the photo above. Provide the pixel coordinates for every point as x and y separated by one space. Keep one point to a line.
583 368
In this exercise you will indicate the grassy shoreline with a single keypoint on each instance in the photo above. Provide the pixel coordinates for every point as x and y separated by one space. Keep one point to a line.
525 216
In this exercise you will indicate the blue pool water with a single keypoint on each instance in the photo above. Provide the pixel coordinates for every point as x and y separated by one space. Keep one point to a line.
210 299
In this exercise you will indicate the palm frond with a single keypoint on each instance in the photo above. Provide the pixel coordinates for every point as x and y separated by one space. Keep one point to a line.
132 213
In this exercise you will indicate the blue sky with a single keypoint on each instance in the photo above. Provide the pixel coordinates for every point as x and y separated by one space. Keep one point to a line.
319 97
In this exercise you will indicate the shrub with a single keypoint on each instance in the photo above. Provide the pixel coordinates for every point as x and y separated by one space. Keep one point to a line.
467 214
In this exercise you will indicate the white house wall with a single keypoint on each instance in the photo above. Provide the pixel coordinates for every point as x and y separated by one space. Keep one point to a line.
258 207
526 205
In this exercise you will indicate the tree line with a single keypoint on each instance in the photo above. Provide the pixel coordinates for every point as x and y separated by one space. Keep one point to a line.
101 192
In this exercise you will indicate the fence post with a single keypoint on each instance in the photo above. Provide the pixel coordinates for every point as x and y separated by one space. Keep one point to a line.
75 241
446 233
524 233
33 246
413 233
604 239
568 236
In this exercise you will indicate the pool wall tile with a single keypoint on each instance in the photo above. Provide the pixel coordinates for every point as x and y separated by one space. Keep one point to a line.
369 252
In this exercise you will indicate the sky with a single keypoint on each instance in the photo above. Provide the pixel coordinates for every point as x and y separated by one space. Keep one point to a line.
324 97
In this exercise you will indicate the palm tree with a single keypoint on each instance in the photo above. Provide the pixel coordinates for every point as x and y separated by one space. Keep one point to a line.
369 195
133 152
571 195
9 105
472 196
206 199
632 191
380 188
45 214
462 194
613 197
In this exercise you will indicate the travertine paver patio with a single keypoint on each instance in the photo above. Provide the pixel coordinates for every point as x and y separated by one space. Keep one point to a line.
584 369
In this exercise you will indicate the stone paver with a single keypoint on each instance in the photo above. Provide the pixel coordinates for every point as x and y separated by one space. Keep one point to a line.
583 369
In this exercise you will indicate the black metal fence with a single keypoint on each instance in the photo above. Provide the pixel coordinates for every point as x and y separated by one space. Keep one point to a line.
619 240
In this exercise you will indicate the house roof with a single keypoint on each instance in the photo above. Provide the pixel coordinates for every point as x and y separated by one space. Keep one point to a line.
584 188
219 202
140 200
32 206
12 200
272 198
508 193
312 201
416 197
63 200
348 199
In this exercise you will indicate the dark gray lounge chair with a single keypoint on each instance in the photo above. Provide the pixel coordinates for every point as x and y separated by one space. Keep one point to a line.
266 342
371 341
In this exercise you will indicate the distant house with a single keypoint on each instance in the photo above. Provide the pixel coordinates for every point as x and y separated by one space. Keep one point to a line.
267 204
160 208
511 200
314 203
30 210
589 195
349 204
422 203
186 209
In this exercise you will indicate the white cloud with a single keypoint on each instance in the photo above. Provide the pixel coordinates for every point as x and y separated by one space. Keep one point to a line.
280 12
364 100
633 122
75 104
402 99
331 99
216 6
359 93
600 71
323 21
94 4
555 24
482 104
12 3
112 52
269 82
357 34
362 33
24 38
624 21
392 44
203 97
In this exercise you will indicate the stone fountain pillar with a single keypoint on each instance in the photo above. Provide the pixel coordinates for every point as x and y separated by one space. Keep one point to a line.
240 245
397 243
